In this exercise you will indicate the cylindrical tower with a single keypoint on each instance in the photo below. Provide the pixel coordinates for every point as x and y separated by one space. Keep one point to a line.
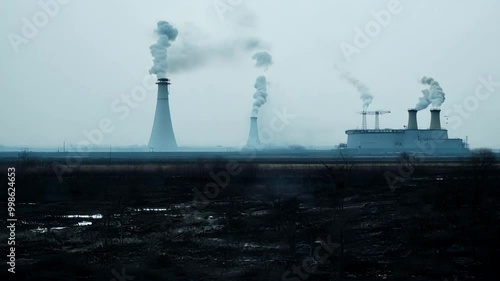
412 119
162 135
435 119
253 137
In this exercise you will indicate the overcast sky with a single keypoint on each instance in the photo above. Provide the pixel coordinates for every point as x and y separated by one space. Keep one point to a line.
89 54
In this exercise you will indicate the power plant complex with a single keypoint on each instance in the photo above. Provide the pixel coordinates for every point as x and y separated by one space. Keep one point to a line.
433 140
411 139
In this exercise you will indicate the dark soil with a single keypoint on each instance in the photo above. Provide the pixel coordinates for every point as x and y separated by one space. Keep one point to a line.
271 222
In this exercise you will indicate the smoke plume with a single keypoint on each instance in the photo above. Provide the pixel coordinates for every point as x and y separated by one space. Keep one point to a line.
166 34
363 90
197 48
434 95
260 96
263 60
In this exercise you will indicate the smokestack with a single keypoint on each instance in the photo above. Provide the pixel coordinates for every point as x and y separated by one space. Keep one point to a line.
412 119
435 119
162 135
253 137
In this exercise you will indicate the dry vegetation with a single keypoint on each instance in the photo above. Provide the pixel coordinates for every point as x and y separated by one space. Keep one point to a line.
440 222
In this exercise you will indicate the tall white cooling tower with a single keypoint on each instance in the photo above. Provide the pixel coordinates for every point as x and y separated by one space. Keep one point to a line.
253 137
162 135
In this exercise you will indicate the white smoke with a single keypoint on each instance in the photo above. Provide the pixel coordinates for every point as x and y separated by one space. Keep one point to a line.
263 60
434 95
195 52
260 96
166 34
363 90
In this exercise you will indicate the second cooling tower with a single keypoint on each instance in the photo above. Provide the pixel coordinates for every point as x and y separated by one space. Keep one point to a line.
435 119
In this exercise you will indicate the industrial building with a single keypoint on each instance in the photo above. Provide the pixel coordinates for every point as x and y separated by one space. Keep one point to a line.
411 139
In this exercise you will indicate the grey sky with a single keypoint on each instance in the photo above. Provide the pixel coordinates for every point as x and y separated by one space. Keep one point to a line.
65 79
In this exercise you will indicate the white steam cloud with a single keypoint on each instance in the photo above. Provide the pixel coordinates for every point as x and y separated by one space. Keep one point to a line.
260 96
263 60
363 90
196 48
166 34
194 52
434 95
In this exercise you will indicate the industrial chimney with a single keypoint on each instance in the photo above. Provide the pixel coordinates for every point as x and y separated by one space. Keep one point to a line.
435 119
253 137
412 119
162 135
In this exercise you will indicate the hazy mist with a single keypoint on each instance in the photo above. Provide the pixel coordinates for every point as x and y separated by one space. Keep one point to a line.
80 67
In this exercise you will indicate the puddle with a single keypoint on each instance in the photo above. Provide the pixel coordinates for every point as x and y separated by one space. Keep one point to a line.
78 224
151 210
44 229
257 213
96 216
354 206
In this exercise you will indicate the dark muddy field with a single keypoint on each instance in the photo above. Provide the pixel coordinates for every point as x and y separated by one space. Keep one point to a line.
222 220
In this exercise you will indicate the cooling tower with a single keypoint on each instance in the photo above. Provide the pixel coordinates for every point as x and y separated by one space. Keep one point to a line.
412 119
162 135
253 137
435 119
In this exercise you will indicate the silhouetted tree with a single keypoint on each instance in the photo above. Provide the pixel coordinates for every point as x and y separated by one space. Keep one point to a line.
340 172
482 162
